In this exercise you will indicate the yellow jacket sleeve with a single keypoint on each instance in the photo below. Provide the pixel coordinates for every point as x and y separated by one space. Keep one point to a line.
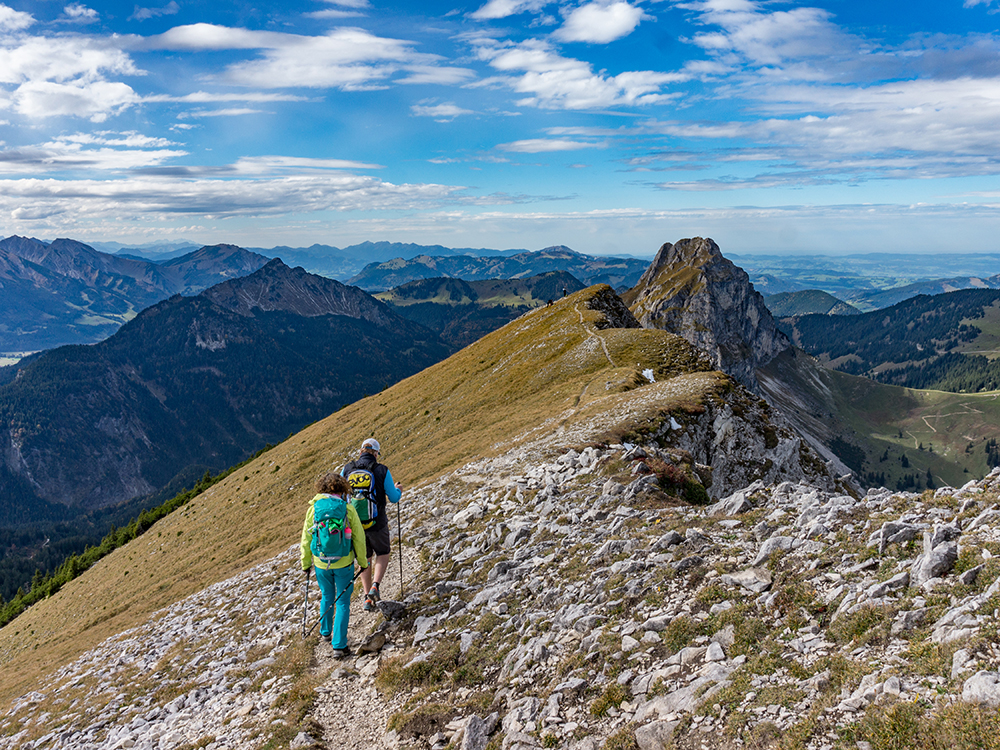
305 553
357 536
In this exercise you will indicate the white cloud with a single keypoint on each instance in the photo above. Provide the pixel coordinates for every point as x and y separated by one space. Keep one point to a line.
143 14
206 96
333 13
94 100
776 38
80 13
350 3
556 82
440 112
600 22
65 76
152 200
502 8
113 152
60 59
230 112
199 37
14 20
269 165
130 138
350 59
442 76
544 145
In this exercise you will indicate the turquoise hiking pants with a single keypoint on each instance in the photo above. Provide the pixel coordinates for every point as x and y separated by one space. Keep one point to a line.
332 583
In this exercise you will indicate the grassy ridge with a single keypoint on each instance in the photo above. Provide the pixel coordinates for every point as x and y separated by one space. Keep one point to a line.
547 370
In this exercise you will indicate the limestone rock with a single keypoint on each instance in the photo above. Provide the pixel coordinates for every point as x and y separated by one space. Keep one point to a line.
690 289
982 687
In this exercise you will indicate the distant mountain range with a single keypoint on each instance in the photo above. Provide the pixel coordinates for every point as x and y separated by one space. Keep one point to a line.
65 292
195 383
872 281
464 311
346 262
620 273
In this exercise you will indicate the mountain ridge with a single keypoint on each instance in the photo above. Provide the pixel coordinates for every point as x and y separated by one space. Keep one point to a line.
197 381
65 292
617 272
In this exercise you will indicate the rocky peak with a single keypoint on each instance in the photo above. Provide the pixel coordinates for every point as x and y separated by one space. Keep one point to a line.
690 289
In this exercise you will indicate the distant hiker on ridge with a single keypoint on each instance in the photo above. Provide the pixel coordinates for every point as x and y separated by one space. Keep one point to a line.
332 536
371 484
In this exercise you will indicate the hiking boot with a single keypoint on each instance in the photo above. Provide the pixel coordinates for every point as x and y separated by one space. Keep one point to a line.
326 637
341 653
372 598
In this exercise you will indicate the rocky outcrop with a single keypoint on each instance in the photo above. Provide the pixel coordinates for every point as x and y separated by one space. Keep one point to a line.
690 289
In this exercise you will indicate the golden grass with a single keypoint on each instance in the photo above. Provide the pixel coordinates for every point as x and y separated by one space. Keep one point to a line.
550 371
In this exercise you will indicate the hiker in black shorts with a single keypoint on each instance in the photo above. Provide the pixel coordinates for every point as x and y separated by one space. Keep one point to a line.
374 481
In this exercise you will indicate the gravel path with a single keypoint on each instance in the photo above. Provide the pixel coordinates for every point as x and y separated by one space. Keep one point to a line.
349 708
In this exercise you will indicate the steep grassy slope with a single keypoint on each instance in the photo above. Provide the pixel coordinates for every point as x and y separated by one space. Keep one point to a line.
560 370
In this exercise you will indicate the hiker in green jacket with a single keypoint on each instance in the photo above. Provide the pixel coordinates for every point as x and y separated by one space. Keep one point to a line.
344 537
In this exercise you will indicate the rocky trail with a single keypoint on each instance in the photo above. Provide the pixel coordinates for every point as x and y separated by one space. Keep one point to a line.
568 601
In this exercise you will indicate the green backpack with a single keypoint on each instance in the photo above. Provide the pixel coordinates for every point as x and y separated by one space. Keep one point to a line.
331 531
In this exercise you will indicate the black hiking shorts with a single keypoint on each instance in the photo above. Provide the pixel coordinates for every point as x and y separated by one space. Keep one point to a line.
377 540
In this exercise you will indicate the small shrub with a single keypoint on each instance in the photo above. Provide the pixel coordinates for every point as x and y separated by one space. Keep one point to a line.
679 633
613 695
869 625
623 739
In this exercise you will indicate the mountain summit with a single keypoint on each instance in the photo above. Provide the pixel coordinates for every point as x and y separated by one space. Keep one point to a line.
276 287
195 383
690 289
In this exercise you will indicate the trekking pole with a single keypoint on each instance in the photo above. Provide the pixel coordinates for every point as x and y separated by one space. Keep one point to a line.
305 609
399 543
334 602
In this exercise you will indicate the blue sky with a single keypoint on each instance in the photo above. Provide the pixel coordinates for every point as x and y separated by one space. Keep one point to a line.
610 126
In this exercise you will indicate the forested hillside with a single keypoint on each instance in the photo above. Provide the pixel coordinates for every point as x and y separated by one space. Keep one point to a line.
936 342
464 311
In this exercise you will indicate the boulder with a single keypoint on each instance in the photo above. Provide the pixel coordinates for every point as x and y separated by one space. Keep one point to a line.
984 688
755 580
657 735
934 564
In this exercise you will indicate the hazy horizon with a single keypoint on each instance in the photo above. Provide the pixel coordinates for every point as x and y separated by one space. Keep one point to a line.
609 126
